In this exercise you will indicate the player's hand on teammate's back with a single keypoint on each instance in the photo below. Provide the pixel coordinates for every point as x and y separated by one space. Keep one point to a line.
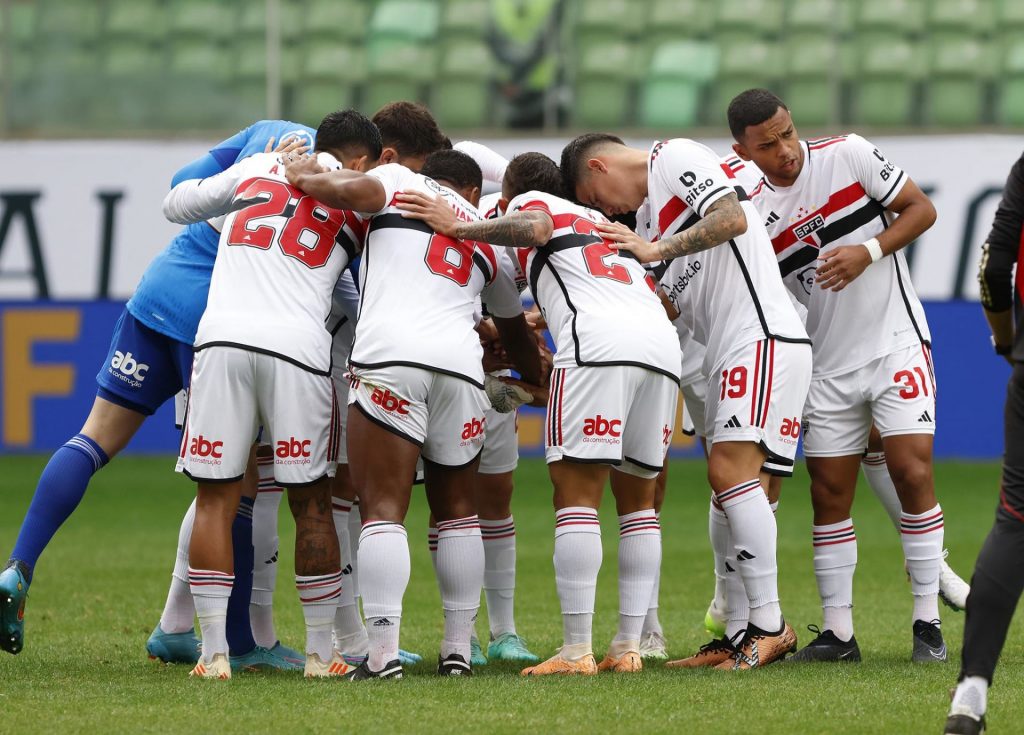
841 265
435 211
289 144
621 237
298 166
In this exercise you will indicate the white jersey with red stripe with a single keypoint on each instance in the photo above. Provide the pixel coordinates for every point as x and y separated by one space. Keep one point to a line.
747 174
731 294
434 331
599 304
692 351
839 198
280 254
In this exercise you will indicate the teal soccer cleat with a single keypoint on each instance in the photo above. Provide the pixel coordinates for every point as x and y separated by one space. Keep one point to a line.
408 658
476 653
288 654
13 592
511 647
173 648
266 658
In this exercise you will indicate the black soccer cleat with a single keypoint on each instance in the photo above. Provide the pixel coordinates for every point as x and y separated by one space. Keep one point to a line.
827 647
928 644
391 670
453 665
964 724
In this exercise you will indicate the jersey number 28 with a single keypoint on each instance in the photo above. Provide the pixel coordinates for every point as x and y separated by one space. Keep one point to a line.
308 234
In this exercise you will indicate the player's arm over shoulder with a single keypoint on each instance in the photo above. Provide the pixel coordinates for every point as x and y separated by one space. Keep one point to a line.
196 200
528 224
344 189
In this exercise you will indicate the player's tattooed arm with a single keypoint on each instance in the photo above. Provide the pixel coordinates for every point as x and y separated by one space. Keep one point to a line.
523 229
723 221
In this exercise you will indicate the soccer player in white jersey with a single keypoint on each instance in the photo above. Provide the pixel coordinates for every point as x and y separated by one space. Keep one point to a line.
417 390
758 354
839 214
495 484
611 401
262 348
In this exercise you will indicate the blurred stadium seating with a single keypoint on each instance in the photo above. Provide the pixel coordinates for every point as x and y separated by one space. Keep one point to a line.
101 67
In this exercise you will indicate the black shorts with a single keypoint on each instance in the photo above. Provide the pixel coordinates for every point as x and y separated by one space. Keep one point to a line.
1011 500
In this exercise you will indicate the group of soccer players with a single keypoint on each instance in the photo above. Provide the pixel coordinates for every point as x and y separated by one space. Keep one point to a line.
768 286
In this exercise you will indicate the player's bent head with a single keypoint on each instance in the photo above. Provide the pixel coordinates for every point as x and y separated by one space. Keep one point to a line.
351 137
457 171
531 172
409 132
599 171
764 133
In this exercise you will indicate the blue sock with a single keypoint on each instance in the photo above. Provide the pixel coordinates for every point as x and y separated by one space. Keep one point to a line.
239 629
61 488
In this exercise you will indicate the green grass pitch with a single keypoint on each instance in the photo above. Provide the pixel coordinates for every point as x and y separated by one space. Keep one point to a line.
100 587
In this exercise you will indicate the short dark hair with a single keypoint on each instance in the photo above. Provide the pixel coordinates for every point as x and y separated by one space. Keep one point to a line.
409 128
349 131
752 107
532 172
453 167
575 155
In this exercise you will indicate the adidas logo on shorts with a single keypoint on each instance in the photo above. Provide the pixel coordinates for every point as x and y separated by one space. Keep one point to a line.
926 418
733 423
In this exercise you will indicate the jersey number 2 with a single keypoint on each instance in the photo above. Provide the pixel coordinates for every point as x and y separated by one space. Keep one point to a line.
308 235
596 253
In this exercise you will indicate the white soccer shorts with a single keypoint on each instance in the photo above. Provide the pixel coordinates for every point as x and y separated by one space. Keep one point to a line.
501 443
341 348
694 397
619 415
896 392
442 414
757 395
233 392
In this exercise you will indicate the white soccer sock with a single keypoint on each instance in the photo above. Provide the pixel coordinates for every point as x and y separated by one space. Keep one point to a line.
384 562
876 472
179 610
737 607
835 560
265 549
721 547
651 622
349 631
210 591
971 694
577 562
460 577
432 546
639 562
500 574
319 594
355 530
774 506
753 529
922 536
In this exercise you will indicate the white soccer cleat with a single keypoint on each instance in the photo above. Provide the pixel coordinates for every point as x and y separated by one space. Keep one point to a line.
317 668
218 668
653 647
953 590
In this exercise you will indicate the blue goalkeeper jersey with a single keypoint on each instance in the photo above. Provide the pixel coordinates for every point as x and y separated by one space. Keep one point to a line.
171 296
